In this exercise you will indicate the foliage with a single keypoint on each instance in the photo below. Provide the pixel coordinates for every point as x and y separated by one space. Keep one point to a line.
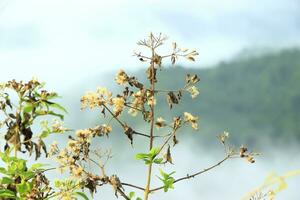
139 99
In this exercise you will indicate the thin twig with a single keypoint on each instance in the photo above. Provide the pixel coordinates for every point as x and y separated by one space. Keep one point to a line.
195 174
133 186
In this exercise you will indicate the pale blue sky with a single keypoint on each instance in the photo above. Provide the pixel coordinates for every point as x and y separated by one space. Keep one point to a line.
68 40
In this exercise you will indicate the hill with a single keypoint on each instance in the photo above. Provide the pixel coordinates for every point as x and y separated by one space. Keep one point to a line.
252 97
248 97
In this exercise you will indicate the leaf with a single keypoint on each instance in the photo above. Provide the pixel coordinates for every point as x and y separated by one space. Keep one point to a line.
154 151
56 114
23 188
6 180
44 134
57 183
5 193
43 112
168 155
174 45
158 160
52 95
129 132
131 195
167 179
57 106
191 58
3 170
140 156
28 108
172 99
37 166
81 194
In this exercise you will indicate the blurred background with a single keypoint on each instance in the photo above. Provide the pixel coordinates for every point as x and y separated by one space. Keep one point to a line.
249 66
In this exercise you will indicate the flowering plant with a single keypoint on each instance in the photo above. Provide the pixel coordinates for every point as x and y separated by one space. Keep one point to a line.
138 99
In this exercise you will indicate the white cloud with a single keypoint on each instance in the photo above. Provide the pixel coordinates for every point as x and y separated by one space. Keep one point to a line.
78 38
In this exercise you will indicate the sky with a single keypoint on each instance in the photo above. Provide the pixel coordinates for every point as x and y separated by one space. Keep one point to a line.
65 42
68 41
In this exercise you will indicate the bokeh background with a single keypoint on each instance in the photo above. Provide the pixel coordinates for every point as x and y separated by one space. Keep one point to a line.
249 66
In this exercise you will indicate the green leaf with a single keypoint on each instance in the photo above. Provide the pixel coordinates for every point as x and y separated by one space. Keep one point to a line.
37 166
28 108
154 151
140 156
6 180
3 170
131 195
21 165
43 112
56 114
44 134
28 175
81 194
158 160
57 183
57 106
5 193
53 95
167 179
23 188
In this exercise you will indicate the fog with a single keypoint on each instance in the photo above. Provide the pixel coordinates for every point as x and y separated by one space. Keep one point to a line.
70 44
231 180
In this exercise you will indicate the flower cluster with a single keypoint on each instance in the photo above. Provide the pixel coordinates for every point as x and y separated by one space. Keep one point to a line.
188 117
194 92
119 104
121 77
53 149
78 149
248 156
57 127
93 99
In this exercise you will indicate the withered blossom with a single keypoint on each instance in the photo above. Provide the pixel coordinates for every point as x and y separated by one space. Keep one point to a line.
57 127
121 77
53 149
160 122
119 104
77 171
91 100
193 91
188 117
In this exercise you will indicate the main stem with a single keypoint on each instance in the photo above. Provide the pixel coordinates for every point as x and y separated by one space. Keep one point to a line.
147 188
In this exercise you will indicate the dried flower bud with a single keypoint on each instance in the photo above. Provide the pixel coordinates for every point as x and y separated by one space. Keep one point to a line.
160 122
243 151
121 77
193 91
188 117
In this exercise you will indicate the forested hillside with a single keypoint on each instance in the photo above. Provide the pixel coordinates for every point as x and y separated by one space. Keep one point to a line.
248 97
258 95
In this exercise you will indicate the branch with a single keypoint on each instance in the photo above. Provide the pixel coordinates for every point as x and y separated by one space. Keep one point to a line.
133 186
195 174
123 194
122 124
114 116
140 134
